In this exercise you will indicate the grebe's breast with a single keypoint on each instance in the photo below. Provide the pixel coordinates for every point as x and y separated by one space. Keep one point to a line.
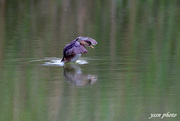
75 58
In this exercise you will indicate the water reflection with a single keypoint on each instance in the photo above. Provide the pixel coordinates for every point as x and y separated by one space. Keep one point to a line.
73 74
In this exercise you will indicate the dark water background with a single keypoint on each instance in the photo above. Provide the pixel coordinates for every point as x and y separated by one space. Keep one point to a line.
133 72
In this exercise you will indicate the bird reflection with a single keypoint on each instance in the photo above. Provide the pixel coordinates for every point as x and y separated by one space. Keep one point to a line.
73 73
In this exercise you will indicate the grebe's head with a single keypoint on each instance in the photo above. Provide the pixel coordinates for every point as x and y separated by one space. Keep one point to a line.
86 41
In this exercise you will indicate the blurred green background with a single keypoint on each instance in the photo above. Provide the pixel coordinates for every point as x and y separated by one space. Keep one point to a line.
136 63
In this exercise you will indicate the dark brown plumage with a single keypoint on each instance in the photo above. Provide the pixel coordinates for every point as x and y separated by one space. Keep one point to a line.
76 48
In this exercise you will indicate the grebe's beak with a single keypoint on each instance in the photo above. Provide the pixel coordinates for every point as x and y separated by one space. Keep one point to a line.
92 47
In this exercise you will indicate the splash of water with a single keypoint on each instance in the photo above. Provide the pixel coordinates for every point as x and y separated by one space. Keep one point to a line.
53 61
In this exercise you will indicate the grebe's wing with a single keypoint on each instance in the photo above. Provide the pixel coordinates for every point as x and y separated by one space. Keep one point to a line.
74 48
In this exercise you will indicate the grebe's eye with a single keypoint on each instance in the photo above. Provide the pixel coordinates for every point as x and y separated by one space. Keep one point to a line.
88 42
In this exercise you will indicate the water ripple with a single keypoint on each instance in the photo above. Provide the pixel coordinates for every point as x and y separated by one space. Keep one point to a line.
53 61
